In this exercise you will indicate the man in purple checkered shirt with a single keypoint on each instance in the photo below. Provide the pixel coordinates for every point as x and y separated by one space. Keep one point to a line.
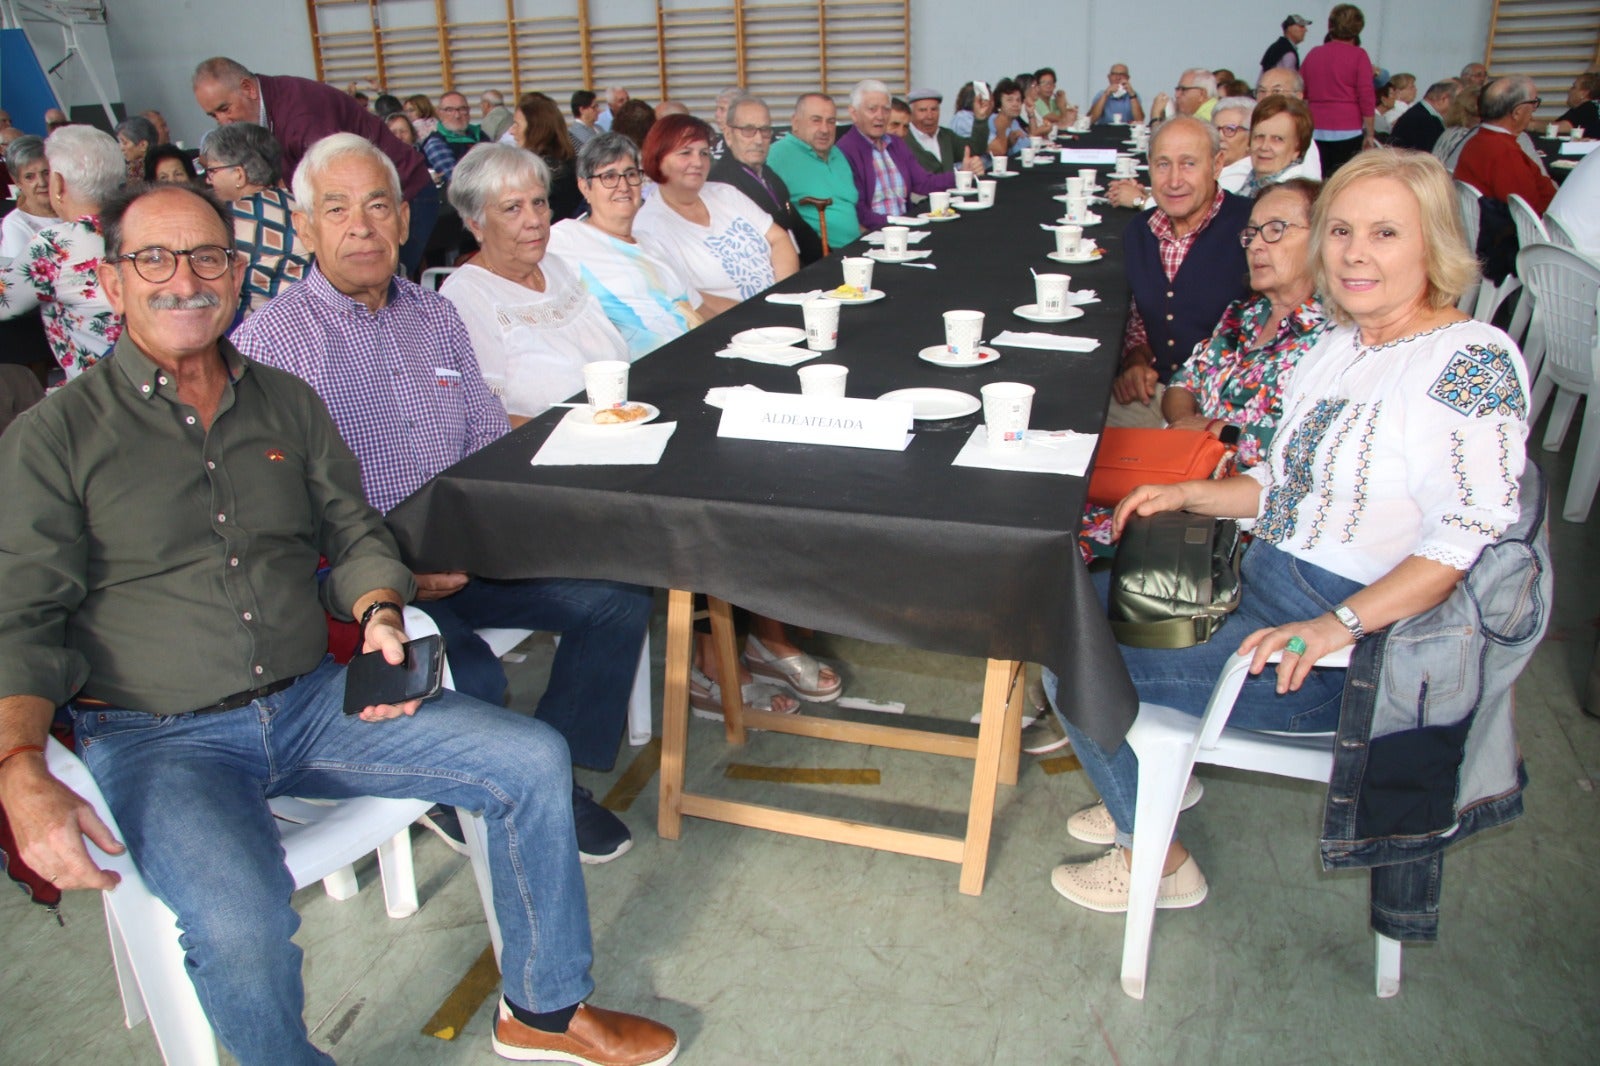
886 173
394 364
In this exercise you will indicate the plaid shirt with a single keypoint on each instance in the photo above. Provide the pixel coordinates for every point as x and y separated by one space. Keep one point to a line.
888 184
402 384
441 160
1173 250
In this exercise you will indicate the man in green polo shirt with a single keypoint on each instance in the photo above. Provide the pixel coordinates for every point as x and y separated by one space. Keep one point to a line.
811 166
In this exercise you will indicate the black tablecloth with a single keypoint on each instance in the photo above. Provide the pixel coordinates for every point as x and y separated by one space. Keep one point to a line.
897 547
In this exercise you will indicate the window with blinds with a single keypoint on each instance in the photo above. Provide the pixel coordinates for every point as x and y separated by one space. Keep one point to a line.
688 50
1551 41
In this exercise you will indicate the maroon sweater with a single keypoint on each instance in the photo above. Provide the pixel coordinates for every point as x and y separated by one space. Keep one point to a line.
300 112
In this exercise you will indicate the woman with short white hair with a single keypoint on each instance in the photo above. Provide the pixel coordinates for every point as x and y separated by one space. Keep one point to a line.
30 170
532 322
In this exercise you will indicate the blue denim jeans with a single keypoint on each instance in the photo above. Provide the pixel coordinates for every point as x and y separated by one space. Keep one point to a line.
602 626
1278 588
189 794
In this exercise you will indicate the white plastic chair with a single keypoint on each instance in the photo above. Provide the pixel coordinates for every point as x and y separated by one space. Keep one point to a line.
433 277
1168 744
1525 328
1558 232
640 723
1467 198
1567 289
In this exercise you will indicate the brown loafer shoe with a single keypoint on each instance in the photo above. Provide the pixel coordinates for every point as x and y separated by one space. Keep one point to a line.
596 1037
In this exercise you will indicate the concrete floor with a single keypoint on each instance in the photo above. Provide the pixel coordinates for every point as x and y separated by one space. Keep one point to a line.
767 949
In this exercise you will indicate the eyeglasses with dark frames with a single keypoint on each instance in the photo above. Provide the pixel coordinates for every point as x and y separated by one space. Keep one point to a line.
1232 129
205 172
762 132
609 179
157 264
1272 232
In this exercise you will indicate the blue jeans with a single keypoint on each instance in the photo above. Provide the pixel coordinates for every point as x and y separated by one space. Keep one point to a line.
189 794
1278 588
602 625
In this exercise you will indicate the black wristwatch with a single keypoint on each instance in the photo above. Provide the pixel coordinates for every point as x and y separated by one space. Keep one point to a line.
1230 434
374 608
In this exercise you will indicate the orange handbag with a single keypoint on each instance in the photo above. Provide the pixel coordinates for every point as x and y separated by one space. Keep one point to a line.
1129 458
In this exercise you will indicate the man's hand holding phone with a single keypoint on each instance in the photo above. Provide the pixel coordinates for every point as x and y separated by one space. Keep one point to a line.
392 676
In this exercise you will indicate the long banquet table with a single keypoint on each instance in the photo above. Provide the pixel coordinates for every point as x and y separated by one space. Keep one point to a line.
895 547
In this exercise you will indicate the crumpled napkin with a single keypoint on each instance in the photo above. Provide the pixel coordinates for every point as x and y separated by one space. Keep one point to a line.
796 298
1054 342
911 238
718 397
790 356
576 445
1059 451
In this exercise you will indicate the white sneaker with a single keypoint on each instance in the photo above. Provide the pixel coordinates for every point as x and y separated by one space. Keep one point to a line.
1102 884
1093 825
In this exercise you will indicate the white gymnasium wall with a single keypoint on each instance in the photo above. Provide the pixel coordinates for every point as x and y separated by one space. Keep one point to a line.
155 43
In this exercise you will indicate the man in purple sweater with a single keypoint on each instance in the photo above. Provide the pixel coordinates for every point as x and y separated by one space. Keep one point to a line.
299 112
886 173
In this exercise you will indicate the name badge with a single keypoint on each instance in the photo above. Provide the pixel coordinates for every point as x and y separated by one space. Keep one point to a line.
835 421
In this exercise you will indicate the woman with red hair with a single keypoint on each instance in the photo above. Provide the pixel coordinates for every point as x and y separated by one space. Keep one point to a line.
716 237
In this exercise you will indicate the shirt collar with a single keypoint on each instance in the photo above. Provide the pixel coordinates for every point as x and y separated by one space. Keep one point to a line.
147 379
323 290
930 143
1497 129
1162 227
261 94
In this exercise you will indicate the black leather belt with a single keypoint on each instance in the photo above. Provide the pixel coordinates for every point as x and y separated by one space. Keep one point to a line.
227 703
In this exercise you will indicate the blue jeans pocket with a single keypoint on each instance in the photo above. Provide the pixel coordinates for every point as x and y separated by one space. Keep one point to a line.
94 725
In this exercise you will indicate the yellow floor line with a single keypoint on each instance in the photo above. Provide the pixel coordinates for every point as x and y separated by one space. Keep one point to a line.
480 982
635 777
802 775
1061 764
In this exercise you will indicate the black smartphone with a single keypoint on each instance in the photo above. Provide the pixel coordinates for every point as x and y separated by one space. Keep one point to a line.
371 680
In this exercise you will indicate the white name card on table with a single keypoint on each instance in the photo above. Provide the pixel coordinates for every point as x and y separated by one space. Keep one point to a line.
1579 147
1090 157
832 420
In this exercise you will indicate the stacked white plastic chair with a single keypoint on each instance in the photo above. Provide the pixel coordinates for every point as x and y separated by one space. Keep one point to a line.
1566 287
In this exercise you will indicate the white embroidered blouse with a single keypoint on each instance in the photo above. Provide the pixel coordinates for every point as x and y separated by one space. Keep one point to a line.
1408 448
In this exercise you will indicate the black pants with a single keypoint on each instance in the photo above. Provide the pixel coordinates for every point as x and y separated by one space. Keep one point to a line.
1336 154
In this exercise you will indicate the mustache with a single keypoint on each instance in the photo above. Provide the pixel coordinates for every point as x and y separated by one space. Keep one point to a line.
173 302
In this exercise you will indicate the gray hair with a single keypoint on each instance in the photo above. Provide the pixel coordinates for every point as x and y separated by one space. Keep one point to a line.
88 161
1179 123
492 97
1202 78
24 152
1504 95
1447 87
224 71
487 171
743 100
137 128
328 151
604 150
865 86
1234 103
246 145
727 96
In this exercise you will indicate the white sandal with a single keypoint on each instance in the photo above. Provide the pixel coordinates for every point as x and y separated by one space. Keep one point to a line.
705 696
799 673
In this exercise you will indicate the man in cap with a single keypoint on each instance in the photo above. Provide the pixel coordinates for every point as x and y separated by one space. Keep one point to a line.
938 149
1285 51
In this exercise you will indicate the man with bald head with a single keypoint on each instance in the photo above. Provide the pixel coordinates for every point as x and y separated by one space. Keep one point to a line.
1184 266
810 163
1492 161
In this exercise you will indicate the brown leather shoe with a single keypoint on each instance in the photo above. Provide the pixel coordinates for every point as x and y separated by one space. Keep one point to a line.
596 1037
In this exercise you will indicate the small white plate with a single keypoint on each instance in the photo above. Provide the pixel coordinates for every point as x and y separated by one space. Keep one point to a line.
936 405
973 205
583 416
1079 258
997 174
912 255
1091 220
768 337
929 216
868 297
939 355
1031 313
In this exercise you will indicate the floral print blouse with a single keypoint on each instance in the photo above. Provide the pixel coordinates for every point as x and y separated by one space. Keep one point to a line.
57 275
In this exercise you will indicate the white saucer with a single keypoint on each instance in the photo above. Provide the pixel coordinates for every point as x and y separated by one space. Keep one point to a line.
583 417
1031 313
1090 193
997 174
869 297
970 206
768 337
1092 220
929 216
1080 258
936 405
914 255
939 355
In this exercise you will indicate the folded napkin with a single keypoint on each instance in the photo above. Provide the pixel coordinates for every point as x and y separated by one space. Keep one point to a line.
1083 296
790 356
1058 451
718 397
574 445
910 255
795 298
1053 342
911 238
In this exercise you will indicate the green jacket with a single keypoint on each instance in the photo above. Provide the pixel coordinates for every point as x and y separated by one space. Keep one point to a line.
950 149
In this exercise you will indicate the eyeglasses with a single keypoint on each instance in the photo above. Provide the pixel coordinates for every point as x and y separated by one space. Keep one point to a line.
1271 232
633 176
455 110
156 264
1231 130
763 133
205 172
1196 88
1535 103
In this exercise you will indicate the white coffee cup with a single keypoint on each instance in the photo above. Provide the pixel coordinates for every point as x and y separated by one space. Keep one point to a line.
822 379
1001 162
1078 210
962 331
15 192
858 271
1090 179
986 189
1074 187
606 382
1050 293
1577 133
939 202
822 324
965 180
1028 153
1068 240
1006 407
895 241
1125 164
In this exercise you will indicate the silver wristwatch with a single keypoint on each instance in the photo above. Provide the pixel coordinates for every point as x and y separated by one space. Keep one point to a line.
1348 619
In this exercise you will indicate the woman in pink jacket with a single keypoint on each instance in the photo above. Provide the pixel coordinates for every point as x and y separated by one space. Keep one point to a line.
1339 90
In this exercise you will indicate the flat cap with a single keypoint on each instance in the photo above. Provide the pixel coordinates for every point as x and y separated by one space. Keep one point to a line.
924 94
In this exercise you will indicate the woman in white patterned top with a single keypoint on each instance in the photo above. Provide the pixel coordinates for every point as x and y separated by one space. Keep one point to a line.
533 324
716 236
1396 462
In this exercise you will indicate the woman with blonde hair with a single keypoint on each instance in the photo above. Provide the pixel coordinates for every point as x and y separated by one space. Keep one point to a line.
1396 462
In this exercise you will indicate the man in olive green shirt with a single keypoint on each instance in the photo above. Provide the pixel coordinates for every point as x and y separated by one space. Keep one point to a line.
164 516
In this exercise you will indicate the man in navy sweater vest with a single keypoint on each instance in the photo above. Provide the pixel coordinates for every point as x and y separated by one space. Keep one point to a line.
1185 266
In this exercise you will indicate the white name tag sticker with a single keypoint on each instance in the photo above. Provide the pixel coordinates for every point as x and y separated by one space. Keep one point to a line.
834 421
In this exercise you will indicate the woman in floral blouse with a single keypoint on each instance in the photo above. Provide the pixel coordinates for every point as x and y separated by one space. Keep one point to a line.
1238 377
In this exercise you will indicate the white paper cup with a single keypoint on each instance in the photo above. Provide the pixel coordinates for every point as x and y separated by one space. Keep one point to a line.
822 324
822 379
895 240
1001 162
606 382
1068 239
1074 186
858 271
1125 165
1028 155
1119 120
1078 210
939 202
962 331
1090 178
986 189
1050 292
1006 407
1577 133
965 180
15 191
